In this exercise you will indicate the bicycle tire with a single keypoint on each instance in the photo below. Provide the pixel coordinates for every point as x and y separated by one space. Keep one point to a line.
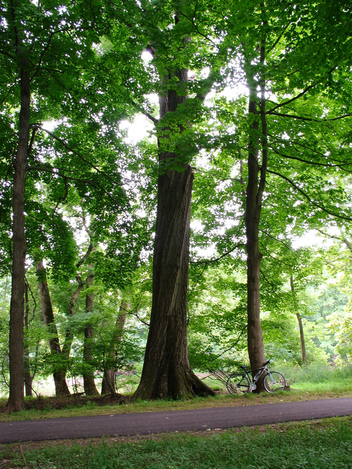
237 383
274 381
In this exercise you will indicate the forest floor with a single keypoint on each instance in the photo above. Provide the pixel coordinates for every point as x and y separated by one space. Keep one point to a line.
73 400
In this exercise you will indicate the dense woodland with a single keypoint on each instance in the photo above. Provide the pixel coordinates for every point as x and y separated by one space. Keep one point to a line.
162 166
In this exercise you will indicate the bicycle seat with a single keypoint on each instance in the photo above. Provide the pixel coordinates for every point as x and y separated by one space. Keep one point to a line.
244 367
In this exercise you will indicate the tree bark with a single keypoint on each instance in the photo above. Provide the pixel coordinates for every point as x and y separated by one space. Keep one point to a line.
59 374
16 350
255 188
300 324
71 310
252 219
108 383
88 376
166 370
28 378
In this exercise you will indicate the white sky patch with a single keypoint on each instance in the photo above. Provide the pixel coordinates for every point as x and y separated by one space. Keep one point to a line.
50 125
309 240
235 92
138 129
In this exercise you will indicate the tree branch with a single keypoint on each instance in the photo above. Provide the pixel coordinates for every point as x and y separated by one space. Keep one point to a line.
146 113
64 144
83 259
314 204
219 258
42 55
313 85
63 198
34 130
278 38
191 20
70 178
244 328
294 98
342 239
7 54
309 119
313 163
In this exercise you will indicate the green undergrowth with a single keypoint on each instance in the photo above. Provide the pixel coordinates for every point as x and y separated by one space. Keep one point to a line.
320 444
319 377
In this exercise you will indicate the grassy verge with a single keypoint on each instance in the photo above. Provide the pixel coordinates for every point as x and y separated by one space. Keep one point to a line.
320 444
319 378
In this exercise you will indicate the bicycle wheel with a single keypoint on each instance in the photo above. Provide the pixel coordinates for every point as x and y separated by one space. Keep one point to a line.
237 384
274 381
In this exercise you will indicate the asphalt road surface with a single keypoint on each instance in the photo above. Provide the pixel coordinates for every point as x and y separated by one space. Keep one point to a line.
171 421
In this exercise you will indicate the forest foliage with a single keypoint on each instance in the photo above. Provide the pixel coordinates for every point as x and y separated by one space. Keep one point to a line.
269 80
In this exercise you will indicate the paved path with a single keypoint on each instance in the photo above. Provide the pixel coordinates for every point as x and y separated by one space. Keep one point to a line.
171 421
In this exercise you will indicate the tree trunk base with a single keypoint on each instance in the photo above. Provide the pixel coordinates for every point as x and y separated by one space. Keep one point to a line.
15 406
61 388
188 387
108 383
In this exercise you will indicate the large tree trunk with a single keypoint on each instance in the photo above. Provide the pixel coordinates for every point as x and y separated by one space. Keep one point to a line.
16 397
300 324
88 376
108 383
61 388
166 370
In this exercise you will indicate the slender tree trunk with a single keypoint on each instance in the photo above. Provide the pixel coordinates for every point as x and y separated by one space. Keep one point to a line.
88 376
256 184
166 370
61 388
28 379
66 348
108 383
252 219
16 357
300 324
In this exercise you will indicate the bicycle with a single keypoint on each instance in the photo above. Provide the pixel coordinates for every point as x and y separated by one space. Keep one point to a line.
241 382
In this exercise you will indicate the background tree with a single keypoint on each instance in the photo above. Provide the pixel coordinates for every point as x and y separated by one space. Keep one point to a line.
29 36
53 44
61 388
285 92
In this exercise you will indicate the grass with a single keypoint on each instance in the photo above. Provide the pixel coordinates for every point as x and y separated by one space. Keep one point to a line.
321 444
319 378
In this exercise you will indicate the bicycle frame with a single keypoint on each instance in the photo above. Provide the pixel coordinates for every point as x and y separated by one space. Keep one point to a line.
259 373
242 382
